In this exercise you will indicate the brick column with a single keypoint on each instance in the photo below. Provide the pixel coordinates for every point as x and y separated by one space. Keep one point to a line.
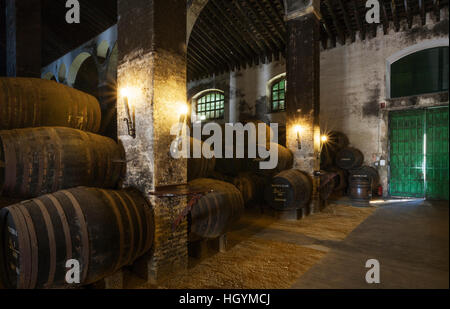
152 62
23 38
303 88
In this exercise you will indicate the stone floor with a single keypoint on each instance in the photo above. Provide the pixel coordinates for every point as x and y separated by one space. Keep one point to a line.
330 250
410 240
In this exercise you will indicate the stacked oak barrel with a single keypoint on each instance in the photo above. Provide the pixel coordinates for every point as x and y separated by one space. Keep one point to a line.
347 162
282 188
51 156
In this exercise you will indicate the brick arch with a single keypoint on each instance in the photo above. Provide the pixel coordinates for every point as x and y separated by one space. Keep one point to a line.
194 9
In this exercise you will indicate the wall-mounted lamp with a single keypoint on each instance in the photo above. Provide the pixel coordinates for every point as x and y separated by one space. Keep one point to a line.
323 141
130 118
298 129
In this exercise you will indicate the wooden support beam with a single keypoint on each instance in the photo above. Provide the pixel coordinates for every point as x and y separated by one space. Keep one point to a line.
224 49
395 16
281 36
348 24
437 10
227 39
337 26
269 45
384 17
241 31
200 40
231 36
359 22
203 59
279 17
409 15
330 34
264 27
423 14
199 62
259 46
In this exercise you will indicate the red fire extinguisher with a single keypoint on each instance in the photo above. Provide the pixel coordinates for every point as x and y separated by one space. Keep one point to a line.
380 190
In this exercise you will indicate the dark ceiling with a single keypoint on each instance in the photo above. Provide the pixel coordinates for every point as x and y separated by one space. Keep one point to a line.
59 37
238 33
231 34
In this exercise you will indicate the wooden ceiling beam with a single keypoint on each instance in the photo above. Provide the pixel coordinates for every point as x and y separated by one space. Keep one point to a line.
281 36
359 22
207 57
225 37
330 34
395 16
347 20
385 18
258 46
264 26
277 14
232 28
201 41
226 52
423 14
340 33
270 47
409 13
247 54
437 9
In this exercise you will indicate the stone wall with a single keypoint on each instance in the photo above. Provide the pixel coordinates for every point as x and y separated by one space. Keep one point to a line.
353 86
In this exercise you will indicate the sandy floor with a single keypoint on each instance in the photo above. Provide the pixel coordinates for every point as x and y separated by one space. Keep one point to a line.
266 253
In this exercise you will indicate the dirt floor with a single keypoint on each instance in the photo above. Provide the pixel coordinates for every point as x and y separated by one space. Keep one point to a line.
265 253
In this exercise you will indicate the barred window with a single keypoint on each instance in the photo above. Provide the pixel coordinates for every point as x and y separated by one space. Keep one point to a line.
211 105
278 98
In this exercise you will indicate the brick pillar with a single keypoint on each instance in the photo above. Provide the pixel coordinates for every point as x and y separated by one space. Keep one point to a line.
23 37
152 61
303 88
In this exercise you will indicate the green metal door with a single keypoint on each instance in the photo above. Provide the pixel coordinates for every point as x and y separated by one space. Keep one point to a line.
407 154
436 178
419 153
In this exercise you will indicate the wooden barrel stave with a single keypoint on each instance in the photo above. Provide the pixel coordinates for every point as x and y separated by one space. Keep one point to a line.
44 160
251 186
349 158
199 167
214 213
32 102
103 229
289 190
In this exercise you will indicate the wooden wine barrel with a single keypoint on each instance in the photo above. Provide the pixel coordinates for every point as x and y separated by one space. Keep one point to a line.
285 160
337 141
33 102
289 190
349 158
327 157
103 230
215 212
369 172
360 189
327 184
45 160
341 178
251 186
199 167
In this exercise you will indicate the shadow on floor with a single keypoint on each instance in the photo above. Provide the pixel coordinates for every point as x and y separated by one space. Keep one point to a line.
410 240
